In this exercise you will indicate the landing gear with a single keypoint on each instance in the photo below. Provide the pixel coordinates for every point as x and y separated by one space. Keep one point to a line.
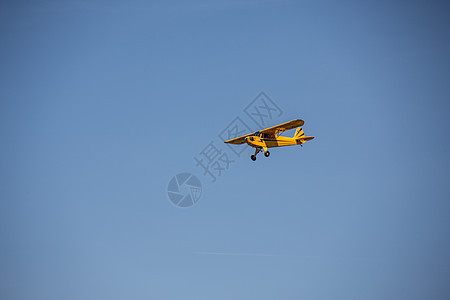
266 154
253 157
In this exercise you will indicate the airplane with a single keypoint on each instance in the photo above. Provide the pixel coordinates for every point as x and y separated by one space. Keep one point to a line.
270 137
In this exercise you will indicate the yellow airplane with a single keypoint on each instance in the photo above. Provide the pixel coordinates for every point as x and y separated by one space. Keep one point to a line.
270 137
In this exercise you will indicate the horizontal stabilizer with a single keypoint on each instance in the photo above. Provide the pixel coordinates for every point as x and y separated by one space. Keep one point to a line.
305 139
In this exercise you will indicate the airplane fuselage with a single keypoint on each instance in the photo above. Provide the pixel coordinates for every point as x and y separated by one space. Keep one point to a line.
258 142
271 142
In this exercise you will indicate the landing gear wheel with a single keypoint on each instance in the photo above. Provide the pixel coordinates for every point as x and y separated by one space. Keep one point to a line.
266 154
253 157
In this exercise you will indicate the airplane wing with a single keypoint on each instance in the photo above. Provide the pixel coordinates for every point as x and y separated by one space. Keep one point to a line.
239 140
271 130
283 127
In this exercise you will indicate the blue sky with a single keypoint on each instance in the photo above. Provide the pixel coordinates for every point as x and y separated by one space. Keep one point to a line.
102 103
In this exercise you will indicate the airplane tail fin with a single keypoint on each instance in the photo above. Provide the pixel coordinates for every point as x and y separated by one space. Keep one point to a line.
300 136
299 133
